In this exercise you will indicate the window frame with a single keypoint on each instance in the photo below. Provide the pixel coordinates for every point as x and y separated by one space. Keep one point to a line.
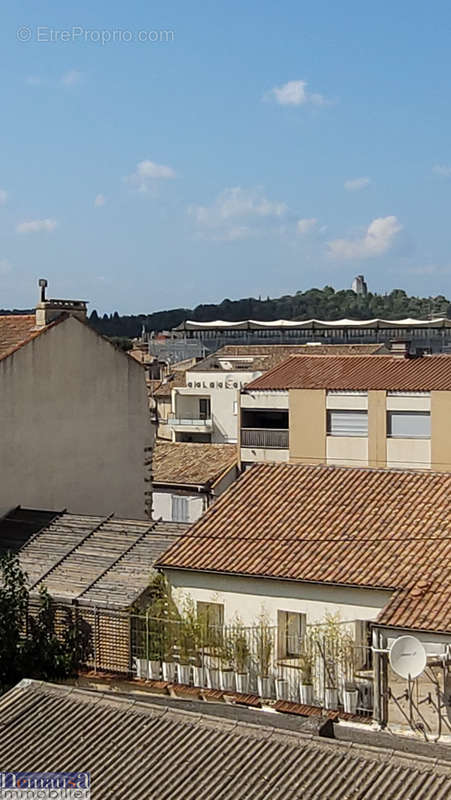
415 413
343 412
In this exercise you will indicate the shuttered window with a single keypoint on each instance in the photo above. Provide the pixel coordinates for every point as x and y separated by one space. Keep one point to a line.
180 509
409 424
290 630
347 423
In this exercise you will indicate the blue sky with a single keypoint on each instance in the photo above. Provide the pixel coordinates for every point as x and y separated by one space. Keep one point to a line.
223 150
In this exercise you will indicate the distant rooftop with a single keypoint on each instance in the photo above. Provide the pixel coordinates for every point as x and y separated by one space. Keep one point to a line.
359 373
252 324
187 463
101 560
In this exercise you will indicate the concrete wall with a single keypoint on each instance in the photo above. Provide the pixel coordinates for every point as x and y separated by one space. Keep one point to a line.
74 423
307 426
249 597
377 429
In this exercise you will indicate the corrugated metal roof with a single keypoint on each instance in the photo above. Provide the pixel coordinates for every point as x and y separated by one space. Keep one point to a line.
94 559
377 372
136 749
362 527
191 463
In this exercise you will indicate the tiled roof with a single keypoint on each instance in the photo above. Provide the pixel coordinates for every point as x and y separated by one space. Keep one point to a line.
394 373
15 330
176 378
363 527
266 356
103 560
136 748
191 463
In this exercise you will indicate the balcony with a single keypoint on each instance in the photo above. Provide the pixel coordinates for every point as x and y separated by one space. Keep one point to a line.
190 422
265 438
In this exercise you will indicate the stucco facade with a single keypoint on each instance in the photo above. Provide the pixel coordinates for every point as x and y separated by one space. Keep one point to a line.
74 425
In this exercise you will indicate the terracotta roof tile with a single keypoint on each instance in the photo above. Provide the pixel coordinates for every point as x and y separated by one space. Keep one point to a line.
15 330
377 372
266 356
176 378
191 463
363 527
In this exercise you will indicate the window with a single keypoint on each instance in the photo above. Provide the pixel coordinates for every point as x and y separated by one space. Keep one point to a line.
347 423
204 408
180 508
409 424
211 613
290 630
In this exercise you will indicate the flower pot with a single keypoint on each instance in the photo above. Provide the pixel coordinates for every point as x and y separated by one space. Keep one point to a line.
226 680
331 698
264 686
153 670
242 682
198 676
184 673
168 671
281 689
212 675
350 700
141 668
306 694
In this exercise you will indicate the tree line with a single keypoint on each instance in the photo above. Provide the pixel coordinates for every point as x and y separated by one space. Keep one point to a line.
314 303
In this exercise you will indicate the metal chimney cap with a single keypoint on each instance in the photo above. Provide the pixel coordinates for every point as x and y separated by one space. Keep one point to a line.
43 283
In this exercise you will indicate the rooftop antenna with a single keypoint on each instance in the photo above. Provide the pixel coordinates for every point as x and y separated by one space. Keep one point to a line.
43 283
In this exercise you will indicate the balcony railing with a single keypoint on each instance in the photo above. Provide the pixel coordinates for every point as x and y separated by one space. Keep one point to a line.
275 438
189 419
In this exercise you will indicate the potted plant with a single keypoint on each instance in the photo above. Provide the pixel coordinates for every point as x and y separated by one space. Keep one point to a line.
264 649
226 674
350 691
240 656
306 678
168 646
212 637
281 688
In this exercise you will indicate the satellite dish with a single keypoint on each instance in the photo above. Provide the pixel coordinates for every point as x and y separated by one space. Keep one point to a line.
407 657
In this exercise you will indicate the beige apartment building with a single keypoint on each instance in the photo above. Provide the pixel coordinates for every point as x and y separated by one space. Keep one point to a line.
378 411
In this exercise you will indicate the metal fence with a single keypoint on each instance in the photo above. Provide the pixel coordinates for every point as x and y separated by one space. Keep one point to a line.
313 669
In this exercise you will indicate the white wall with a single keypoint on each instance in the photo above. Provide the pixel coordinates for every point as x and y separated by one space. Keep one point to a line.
222 388
248 597
259 454
74 422
347 451
409 453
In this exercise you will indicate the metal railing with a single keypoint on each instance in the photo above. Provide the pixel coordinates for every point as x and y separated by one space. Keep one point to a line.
190 419
275 438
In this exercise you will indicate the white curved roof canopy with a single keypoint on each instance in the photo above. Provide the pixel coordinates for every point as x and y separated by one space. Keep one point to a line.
251 324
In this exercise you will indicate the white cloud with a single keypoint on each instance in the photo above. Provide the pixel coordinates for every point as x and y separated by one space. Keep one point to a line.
295 93
36 225
5 266
305 226
147 172
100 200
3 196
378 239
355 184
71 78
442 169
237 213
